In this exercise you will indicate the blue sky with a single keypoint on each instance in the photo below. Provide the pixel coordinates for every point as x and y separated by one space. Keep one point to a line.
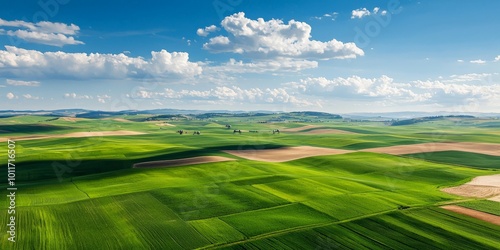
325 55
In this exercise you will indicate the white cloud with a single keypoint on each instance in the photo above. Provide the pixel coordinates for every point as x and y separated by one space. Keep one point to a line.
277 65
103 98
453 91
479 61
76 96
363 12
29 96
360 13
470 78
228 95
10 96
21 63
219 40
460 61
48 33
497 59
23 83
273 38
207 30
44 38
333 16
356 87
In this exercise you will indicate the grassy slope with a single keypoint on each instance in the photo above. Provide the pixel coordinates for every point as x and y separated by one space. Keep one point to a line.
487 206
298 204
456 157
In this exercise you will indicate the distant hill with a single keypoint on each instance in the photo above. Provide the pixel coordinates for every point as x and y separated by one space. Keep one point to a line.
83 113
317 114
426 119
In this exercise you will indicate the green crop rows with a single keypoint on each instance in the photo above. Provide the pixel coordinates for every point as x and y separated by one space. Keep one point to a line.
82 193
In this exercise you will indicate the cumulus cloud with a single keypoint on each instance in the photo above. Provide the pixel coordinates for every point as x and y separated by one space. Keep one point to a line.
485 78
229 95
29 96
10 96
356 87
262 66
274 38
451 91
497 59
48 33
207 30
23 83
362 12
479 61
162 64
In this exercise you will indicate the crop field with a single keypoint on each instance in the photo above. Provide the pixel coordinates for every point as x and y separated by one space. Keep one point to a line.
84 193
455 157
487 206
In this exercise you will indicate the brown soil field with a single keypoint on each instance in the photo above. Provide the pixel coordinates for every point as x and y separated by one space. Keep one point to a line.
473 147
491 218
72 135
496 198
182 162
479 187
70 119
285 154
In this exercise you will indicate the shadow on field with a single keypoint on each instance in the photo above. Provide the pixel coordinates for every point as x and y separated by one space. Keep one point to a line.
57 169
31 128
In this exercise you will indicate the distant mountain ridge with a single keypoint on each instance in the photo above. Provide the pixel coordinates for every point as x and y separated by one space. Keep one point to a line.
84 113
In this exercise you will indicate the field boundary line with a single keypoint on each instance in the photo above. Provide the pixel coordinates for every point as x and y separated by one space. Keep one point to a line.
79 188
297 229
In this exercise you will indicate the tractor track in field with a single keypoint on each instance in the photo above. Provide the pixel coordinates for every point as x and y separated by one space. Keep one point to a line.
295 229
318 225
80 189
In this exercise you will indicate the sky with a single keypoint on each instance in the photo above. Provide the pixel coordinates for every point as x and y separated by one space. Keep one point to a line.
334 56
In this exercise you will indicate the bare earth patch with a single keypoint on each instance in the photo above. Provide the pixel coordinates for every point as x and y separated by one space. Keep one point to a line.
72 135
285 154
473 147
496 198
491 218
70 119
479 187
182 162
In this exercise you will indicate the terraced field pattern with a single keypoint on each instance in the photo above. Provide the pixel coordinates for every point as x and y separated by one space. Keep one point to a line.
84 193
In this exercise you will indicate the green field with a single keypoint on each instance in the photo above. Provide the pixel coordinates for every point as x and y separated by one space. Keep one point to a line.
487 206
82 193
456 158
